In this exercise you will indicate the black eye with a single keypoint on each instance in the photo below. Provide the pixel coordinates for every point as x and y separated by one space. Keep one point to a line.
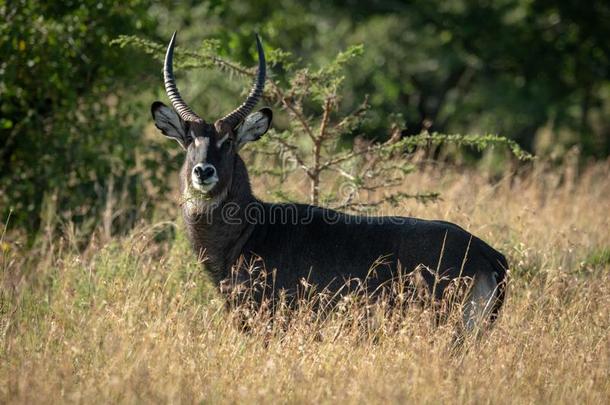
226 144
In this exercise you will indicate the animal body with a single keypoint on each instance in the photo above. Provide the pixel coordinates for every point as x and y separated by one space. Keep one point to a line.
234 230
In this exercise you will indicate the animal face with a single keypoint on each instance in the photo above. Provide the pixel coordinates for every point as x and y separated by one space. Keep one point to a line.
206 162
210 149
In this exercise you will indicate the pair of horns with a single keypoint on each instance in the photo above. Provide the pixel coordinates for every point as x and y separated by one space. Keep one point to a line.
234 117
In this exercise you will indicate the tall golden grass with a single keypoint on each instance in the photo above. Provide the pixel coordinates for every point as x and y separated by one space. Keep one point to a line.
134 319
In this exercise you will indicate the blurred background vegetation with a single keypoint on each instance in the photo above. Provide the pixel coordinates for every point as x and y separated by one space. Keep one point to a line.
75 127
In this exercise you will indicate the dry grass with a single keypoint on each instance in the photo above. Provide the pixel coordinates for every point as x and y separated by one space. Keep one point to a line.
134 320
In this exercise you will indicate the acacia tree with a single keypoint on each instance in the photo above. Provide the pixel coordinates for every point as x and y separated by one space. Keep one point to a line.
314 133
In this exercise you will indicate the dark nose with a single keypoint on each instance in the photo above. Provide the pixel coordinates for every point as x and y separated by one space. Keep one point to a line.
204 172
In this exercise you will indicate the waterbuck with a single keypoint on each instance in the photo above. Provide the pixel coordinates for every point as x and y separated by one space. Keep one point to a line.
299 243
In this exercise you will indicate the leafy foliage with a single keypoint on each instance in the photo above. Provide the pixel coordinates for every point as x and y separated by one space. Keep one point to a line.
74 108
66 114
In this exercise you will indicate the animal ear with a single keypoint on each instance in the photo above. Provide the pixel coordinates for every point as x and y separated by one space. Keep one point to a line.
254 126
170 123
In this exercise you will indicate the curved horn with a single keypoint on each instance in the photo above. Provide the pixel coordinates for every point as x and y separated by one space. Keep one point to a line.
171 89
237 115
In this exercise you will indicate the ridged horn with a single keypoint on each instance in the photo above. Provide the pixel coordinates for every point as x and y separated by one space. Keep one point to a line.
171 89
236 116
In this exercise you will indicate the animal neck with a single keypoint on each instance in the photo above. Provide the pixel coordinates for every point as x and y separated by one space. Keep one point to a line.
218 228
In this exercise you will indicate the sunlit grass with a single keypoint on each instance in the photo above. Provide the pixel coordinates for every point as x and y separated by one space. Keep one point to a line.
135 320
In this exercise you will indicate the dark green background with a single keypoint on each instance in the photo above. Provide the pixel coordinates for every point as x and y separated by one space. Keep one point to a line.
73 108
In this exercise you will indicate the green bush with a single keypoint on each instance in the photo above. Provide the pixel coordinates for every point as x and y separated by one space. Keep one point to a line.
70 126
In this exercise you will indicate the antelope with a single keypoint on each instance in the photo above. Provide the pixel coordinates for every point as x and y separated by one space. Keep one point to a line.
229 226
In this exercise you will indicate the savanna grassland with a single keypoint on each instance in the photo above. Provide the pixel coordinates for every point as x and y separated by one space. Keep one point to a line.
133 318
